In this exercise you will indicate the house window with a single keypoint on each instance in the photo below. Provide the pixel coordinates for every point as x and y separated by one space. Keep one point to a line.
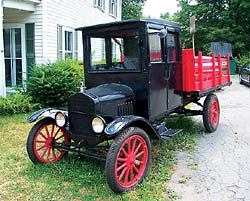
68 44
113 7
100 4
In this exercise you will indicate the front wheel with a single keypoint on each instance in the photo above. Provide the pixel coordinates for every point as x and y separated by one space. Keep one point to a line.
128 160
42 139
211 113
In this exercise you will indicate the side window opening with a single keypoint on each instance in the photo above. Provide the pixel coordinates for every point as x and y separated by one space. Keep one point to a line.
155 47
172 47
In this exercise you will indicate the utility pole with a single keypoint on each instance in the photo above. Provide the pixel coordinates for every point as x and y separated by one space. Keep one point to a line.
192 30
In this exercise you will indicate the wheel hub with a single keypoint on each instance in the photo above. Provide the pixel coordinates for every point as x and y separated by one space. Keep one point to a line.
131 160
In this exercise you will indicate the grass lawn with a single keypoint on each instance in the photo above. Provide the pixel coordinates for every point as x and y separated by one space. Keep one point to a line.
81 179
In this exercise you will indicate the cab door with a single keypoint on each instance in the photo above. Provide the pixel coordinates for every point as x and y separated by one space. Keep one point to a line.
173 70
157 83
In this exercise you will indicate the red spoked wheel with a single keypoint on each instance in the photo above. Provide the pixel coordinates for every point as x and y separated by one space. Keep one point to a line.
128 160
211 113
42 139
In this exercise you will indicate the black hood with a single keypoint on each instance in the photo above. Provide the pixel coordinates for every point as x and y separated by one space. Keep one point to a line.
109 92
108 100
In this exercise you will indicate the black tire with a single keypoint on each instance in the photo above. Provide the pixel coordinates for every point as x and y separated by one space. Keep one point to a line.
125 171
211 113
40 142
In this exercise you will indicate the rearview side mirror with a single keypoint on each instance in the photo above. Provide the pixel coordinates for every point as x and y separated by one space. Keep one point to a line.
163 33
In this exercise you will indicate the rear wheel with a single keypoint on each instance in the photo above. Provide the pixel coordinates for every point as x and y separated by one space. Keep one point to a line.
42 139
128 160
211 113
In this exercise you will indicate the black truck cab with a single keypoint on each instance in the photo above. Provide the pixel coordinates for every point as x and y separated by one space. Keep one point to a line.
141 54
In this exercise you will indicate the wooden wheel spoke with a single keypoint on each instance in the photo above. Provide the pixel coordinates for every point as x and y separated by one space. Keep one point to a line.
133 146
121 167
135 169
52 131
122 173
128 144
139 154
121 159
54 153
57 132
138 147
126 176
124 152
40 141
40 133
47 131
60 137
41 147
44 151
131 174
48 156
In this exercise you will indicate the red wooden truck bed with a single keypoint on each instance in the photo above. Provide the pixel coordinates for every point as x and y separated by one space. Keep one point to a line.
202 74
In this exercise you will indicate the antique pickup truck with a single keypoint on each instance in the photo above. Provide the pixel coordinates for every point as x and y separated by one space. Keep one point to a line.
135 75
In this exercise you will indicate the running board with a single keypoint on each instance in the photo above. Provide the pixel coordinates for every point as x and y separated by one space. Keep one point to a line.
165 133
169 133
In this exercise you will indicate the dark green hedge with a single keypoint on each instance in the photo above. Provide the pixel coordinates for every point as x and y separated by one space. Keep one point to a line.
52 84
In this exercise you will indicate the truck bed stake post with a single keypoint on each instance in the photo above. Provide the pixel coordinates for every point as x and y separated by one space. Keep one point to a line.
220 66
200 73
213 66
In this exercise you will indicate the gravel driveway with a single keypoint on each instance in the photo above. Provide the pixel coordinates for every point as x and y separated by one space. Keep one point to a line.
220 168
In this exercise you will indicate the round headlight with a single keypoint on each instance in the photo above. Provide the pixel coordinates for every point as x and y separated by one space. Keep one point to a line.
60 119
97 124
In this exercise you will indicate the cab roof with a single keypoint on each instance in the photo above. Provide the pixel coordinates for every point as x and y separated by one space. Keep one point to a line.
134 23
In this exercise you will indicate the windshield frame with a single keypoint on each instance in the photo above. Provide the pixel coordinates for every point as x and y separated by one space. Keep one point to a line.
108 37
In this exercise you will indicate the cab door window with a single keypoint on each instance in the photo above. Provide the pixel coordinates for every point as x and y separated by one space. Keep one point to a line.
171 48
155 47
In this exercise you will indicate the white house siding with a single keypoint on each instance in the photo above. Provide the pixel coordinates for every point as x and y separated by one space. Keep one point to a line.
14 16
71 14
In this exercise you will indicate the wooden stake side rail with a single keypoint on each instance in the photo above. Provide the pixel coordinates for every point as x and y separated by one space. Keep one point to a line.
203 73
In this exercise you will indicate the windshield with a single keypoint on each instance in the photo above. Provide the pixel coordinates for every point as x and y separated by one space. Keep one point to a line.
115 53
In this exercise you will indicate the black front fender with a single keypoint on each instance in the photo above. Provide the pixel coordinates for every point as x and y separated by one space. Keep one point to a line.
120 123
47 112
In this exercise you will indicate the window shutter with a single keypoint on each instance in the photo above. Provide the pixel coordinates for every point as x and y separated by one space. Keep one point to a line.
59 43
30 45
76 45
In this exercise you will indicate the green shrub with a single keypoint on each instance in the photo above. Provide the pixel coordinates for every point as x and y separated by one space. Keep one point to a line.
242 60
14 104
53 83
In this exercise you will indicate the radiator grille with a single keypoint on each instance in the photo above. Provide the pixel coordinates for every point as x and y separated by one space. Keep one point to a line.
81 110
126 108
81 104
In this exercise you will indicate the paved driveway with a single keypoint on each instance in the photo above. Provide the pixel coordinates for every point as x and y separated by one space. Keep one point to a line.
220 168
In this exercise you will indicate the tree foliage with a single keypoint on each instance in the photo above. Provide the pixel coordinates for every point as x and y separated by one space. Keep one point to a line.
217 21
132 9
